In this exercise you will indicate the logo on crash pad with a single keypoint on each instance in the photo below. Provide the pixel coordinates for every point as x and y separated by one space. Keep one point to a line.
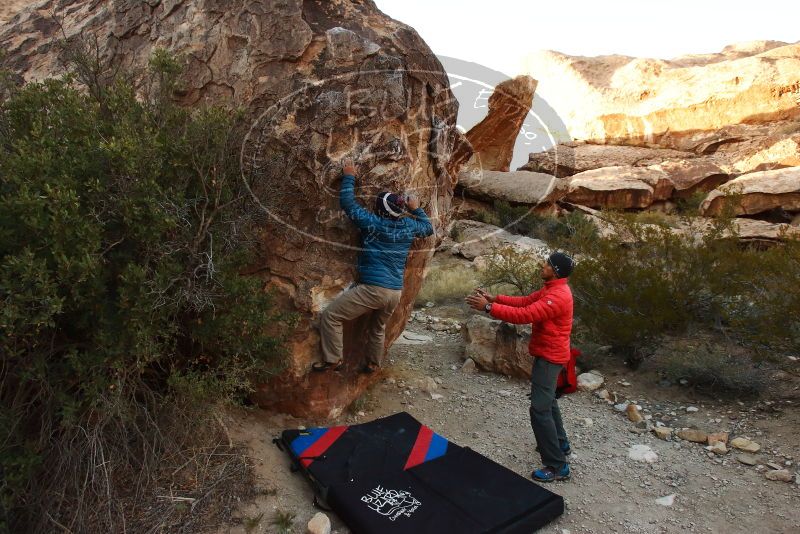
391 503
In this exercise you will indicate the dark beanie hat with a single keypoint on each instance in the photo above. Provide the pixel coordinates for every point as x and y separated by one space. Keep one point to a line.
561 264
389 205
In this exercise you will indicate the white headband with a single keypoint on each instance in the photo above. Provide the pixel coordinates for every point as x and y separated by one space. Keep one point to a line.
388 209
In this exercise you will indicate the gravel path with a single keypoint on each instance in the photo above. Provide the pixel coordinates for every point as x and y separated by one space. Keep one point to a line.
608 492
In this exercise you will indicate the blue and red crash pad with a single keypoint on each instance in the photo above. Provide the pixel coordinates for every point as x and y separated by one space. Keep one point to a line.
396 475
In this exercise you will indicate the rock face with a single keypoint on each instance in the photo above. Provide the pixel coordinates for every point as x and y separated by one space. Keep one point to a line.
747 230
317 82
475 239
756 192
618 187
520 187
639 187
493 138
571 158
736 149
497 346
680 103
9 8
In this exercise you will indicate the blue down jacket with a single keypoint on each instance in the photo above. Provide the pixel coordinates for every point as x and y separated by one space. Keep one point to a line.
384 242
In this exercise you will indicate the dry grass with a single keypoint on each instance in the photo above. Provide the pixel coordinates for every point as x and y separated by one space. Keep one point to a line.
181 473
445 283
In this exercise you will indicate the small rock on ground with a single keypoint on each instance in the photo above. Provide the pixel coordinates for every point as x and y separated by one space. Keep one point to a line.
319 524
781 475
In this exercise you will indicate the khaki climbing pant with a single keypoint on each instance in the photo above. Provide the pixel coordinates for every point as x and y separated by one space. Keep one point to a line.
355 302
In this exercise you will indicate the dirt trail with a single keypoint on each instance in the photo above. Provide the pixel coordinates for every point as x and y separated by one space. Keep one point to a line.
608 492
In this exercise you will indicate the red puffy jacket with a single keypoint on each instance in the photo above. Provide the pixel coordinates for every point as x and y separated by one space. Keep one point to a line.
549 311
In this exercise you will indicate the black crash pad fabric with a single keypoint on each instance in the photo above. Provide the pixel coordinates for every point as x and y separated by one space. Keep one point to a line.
377 446
396 475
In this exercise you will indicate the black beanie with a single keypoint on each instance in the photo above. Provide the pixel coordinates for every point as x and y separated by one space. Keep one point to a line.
561 264
389 205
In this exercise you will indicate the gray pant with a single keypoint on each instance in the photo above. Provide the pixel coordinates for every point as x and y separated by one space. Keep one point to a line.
355 302
548 428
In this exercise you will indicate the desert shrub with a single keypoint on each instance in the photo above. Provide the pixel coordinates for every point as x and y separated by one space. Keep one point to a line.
487 216
657 218
283 521
629 295
690 206
753 294
714 371
647 281
571 230
512 268
456 233
443 283
123 230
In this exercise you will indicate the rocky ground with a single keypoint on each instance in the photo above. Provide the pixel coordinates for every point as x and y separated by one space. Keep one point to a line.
686 489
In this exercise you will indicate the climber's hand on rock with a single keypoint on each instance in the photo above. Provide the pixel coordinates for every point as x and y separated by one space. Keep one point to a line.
412 202
349 168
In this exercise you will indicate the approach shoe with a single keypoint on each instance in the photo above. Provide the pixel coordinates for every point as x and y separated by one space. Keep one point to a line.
549 474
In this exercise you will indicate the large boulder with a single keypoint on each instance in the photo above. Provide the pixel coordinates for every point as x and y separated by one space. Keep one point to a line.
735 149
567 159
764 232
533 189
465 207
627 187
679 103
746 230
474 238
317 82
619 187
779 147
691 176
498 347
493 138
756 192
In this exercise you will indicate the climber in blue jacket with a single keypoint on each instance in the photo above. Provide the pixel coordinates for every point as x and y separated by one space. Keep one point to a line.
386 237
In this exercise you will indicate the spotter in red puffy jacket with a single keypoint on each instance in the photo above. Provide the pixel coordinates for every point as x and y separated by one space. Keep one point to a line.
549 310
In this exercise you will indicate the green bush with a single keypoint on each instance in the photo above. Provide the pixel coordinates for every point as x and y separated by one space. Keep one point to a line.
570 230
657 218
647 281
509 267
629 295
123 230
488 217
690 206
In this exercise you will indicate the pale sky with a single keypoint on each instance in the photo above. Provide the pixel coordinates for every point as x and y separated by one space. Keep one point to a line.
499 33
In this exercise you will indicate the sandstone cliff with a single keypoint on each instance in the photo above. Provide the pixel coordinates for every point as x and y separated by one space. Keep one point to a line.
677 103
